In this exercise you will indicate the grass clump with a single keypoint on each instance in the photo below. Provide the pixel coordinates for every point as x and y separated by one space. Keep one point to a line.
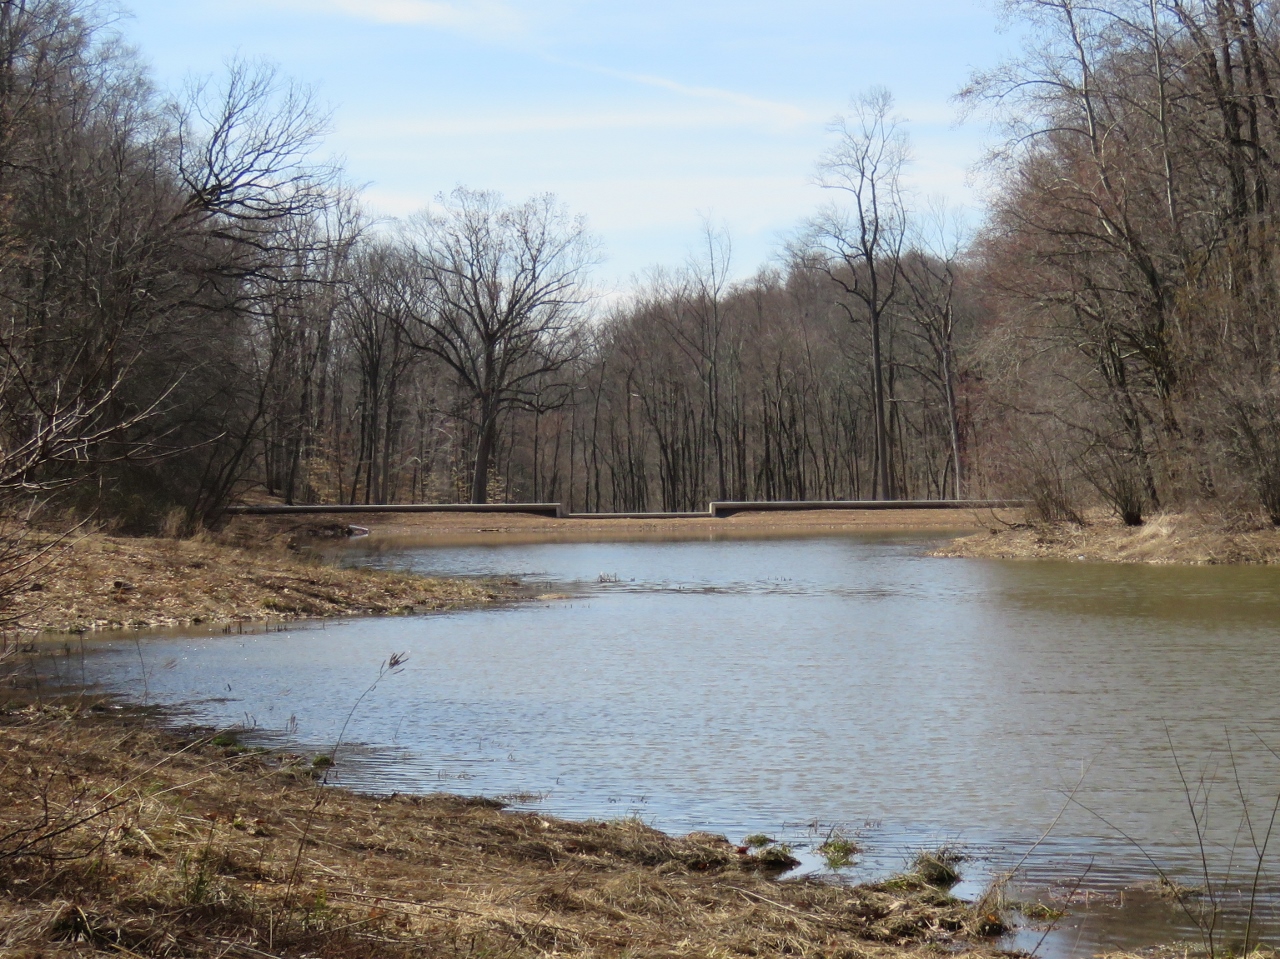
939 867
1038 911
776 856
763 852
838 851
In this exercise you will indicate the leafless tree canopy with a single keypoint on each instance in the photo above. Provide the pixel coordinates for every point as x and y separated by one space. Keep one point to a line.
499 291
194 309
1131 355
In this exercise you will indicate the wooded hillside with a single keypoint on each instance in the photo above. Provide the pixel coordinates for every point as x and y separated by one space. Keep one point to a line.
194 309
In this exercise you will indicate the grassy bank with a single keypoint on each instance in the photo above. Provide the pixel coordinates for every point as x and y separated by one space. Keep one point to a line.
95 582
117 839
1180 538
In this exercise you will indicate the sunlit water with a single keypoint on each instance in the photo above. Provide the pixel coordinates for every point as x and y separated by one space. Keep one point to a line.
795 686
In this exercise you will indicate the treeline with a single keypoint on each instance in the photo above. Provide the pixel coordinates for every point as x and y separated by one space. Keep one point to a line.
144 240
692 389
461 357
196 311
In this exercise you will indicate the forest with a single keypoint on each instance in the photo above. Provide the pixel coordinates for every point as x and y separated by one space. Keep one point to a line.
195 311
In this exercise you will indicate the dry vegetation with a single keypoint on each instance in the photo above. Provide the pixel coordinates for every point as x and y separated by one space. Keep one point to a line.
1184 538
119 840
105 582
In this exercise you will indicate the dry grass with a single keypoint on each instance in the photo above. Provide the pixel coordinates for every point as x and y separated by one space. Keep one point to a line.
1181 538
104 582
119 840
1185 952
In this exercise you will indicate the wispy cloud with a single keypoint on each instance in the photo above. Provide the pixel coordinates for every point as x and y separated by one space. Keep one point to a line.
785 113
485 16
505 124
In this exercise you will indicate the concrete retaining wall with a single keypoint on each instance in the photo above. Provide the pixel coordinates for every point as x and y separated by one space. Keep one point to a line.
557 510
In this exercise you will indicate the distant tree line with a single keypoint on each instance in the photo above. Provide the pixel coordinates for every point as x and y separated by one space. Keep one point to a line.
194 310
461 357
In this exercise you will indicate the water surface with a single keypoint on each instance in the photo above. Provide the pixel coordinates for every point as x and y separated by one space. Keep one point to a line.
794 686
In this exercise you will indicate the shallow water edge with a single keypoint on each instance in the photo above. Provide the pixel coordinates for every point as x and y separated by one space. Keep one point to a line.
787 687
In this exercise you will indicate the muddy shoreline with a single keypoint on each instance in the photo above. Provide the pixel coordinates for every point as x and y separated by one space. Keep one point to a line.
272 569
120 839
455 528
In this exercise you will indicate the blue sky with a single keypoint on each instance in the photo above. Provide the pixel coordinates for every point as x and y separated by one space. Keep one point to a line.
644 116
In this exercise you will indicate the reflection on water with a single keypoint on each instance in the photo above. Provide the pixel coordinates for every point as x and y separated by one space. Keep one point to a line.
792 686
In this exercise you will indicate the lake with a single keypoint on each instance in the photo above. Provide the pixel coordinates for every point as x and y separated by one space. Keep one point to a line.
799 686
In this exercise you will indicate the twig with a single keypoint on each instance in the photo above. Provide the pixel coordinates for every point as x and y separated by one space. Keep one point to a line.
1200 844
392 666
1054 922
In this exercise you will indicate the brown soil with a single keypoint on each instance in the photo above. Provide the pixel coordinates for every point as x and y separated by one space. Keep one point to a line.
117 840
105 582
516 527
1183 538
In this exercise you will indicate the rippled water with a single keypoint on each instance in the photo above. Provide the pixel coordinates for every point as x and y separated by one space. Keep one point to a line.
792 686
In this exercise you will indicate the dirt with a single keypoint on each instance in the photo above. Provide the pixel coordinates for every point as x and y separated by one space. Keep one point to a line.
117 839
1172 538
96 582
450 528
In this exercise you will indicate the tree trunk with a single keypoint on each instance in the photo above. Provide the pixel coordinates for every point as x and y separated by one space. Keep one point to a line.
953 414
883 489
484 454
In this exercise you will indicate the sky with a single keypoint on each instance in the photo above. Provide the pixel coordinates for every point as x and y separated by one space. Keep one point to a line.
650 118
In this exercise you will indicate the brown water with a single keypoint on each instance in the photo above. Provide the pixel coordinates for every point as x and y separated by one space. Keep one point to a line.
792 686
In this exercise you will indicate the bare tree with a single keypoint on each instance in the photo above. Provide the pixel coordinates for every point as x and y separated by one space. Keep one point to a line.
857 243
930 275
495 290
